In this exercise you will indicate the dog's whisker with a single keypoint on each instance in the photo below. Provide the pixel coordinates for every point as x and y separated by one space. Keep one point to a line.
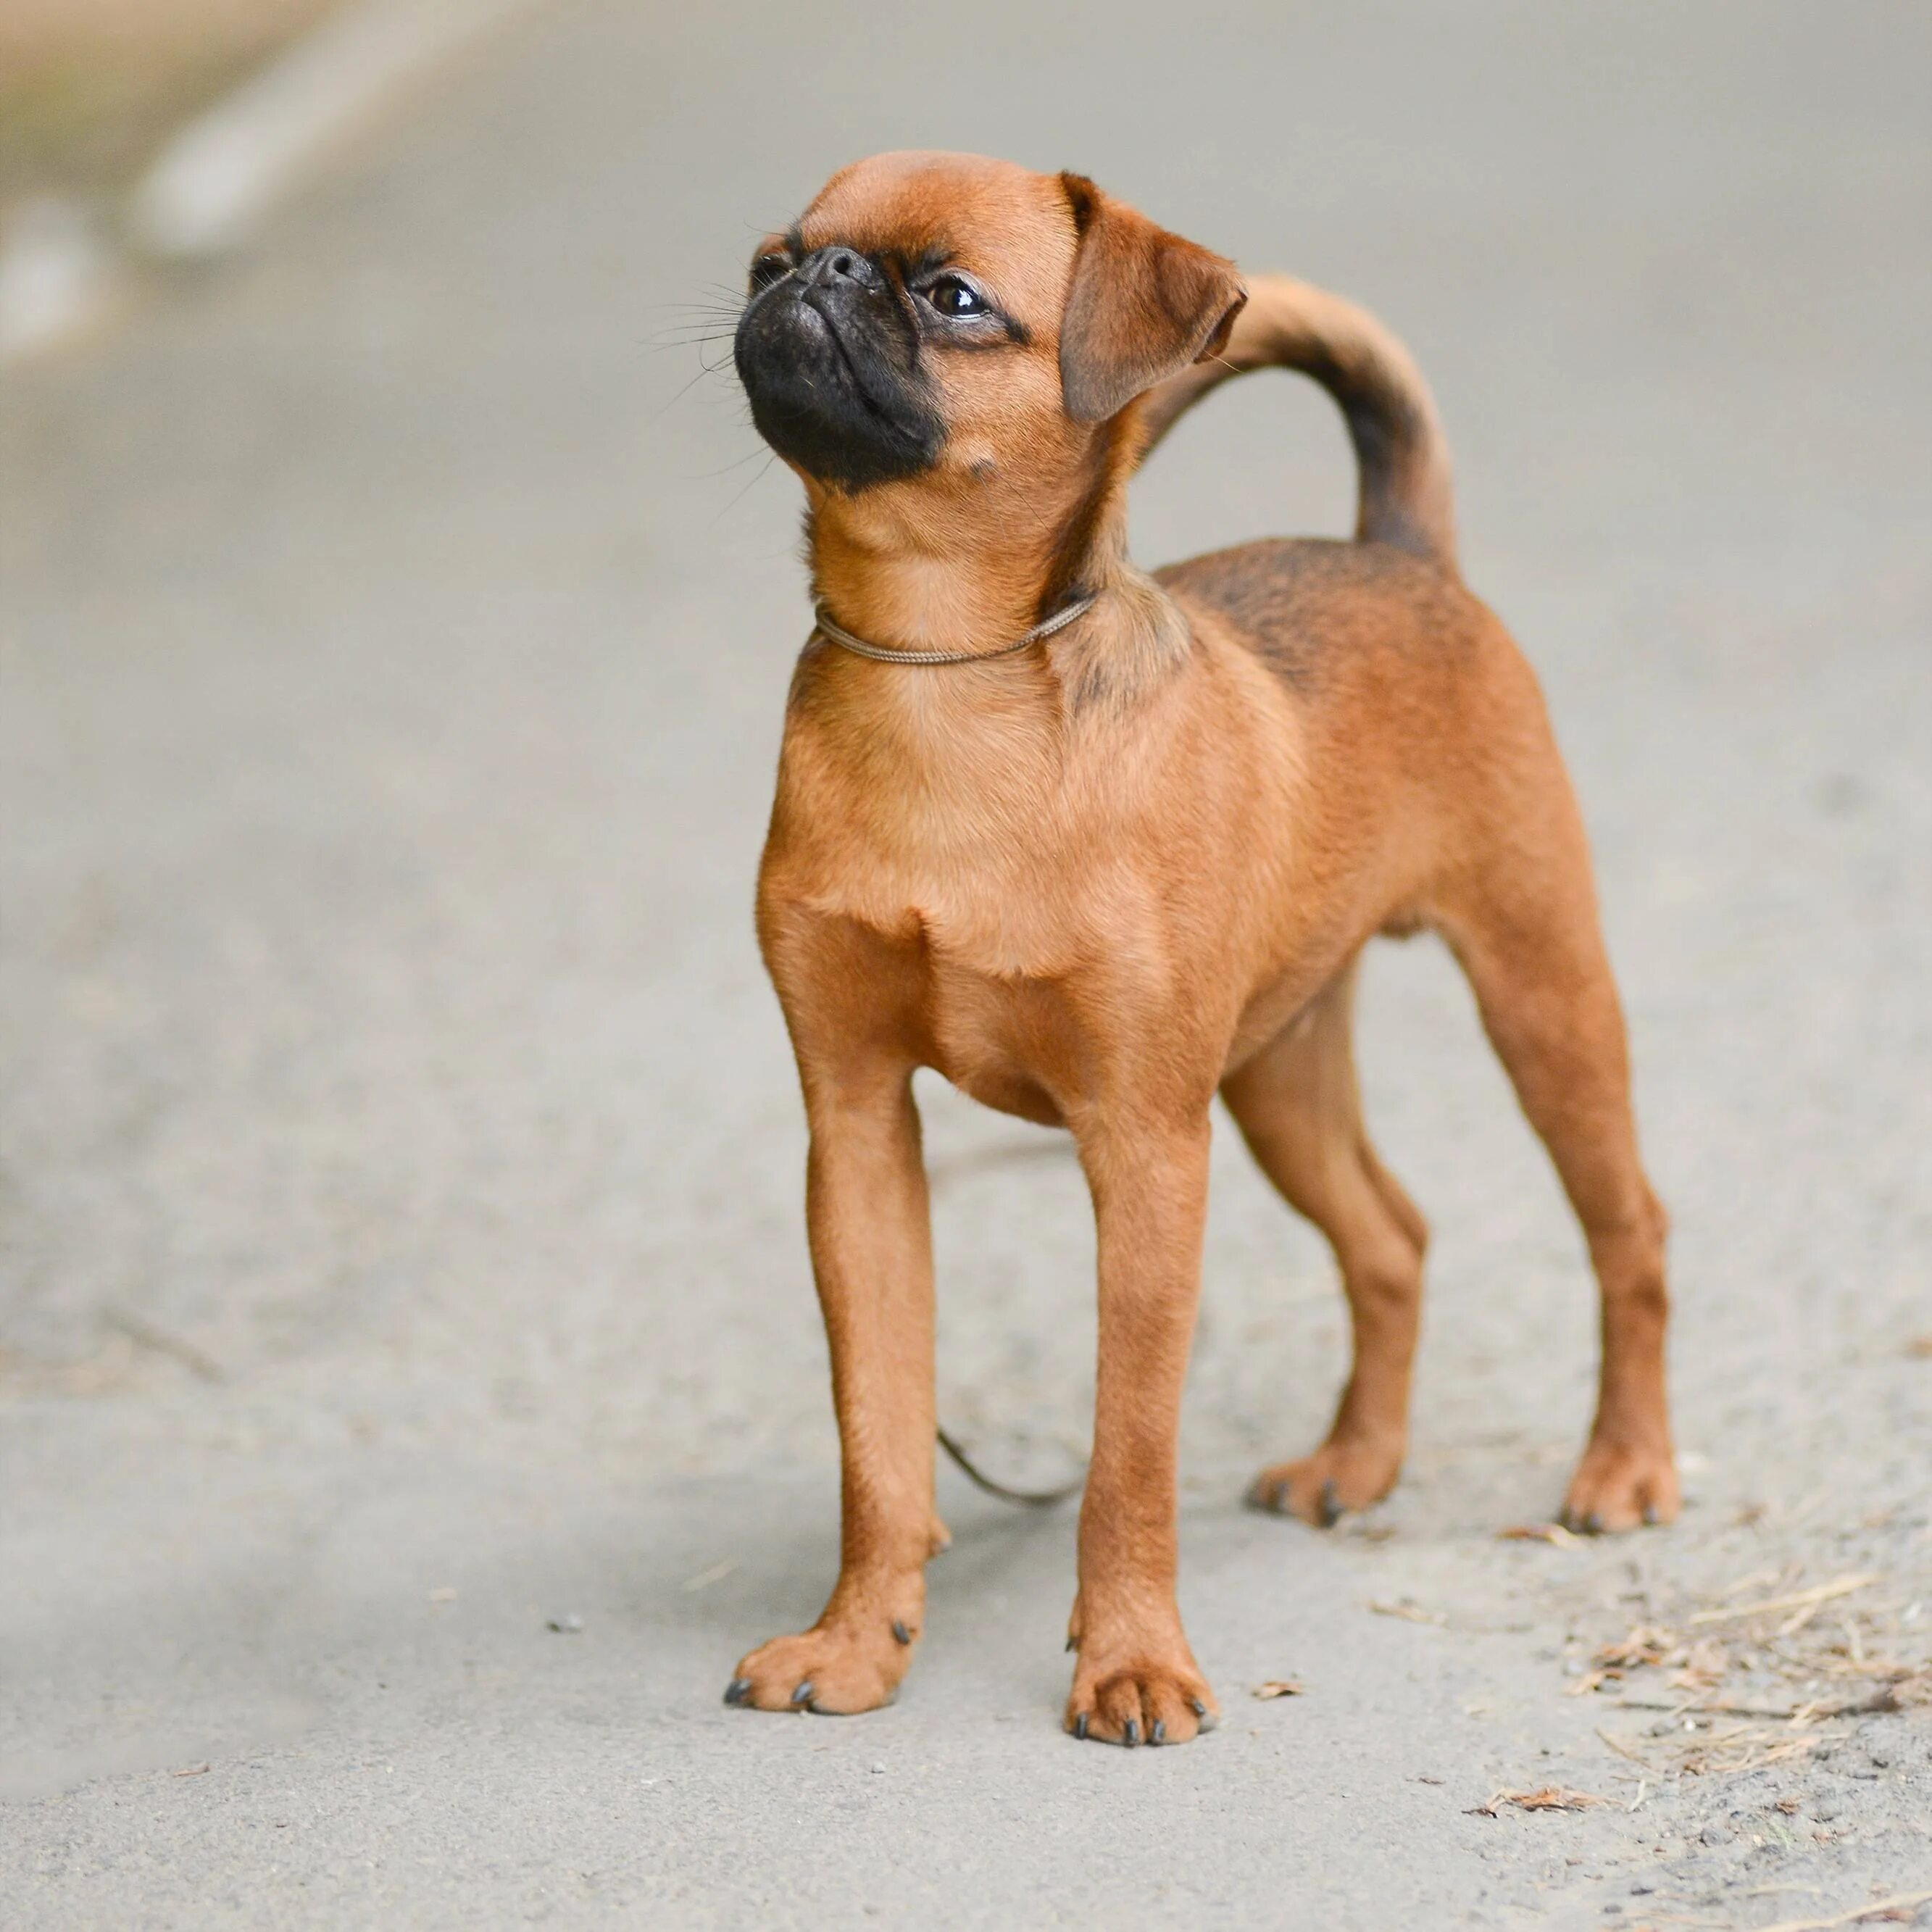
680 334
736 463
706 371
757 478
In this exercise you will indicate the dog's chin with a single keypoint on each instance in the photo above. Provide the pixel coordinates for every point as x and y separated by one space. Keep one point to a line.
827 403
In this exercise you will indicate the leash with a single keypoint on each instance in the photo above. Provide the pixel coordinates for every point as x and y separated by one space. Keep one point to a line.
844 638
1026 1498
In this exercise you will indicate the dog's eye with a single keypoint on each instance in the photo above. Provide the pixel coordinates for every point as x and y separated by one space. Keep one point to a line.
768 269
952 296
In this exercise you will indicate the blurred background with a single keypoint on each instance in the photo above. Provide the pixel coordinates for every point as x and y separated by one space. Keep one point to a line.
402 1163
90 90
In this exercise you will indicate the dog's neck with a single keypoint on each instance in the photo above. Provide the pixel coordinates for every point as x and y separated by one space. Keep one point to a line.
972 568
918 576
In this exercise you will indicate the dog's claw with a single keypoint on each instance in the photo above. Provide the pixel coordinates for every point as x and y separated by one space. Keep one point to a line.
1593 1524
1330 1505
1651 1517
900 1633
1158 1735
1208 1719
803 1695
1131 1736
1072 1641
1080 1726
737 1690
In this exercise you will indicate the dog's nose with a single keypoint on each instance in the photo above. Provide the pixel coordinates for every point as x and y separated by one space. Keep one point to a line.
825 268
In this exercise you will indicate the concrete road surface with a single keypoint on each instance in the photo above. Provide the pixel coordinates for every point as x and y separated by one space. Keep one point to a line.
402 1248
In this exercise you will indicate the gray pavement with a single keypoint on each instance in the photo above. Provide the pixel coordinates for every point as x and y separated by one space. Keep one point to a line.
401 1209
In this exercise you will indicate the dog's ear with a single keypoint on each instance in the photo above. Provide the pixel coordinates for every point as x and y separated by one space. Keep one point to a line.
1143 303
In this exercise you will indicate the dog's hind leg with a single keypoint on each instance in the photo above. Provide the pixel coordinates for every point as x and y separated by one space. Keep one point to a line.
1526 934
1298 1106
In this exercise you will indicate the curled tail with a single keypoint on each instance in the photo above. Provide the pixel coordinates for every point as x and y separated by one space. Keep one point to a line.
1406 496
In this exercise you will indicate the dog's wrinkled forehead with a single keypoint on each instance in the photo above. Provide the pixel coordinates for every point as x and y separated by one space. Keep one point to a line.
1013 228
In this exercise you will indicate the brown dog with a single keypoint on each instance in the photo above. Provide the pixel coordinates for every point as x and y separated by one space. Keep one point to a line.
1095 877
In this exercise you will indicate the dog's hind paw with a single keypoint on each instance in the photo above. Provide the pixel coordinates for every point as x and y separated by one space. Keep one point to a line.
1321 1489
1620 1485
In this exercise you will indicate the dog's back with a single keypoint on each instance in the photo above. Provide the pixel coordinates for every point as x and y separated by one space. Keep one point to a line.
1316 608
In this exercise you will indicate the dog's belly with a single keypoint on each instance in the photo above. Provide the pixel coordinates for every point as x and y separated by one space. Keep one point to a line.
1281 1004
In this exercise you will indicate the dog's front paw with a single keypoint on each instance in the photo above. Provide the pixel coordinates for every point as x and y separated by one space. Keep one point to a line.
1320 1489
1620 1485
1145 1698
837 1669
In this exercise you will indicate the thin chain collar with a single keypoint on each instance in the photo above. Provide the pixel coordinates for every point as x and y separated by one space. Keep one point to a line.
844 638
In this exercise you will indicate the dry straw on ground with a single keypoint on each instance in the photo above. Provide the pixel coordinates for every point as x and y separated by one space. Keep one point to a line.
1901 1909
1547 1798
1752 1678
1553 1533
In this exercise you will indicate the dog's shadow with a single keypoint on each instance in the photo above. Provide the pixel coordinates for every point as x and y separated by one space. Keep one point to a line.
777 1574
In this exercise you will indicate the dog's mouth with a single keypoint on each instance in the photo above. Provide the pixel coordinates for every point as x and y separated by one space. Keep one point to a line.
842 356
831 369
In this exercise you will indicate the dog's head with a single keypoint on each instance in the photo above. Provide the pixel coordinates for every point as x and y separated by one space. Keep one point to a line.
943 319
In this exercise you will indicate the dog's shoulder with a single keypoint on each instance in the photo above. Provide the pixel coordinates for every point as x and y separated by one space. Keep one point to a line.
1302 603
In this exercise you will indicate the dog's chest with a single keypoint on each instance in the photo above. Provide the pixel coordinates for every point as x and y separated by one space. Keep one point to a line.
958 828
995 955
1003 882
1013 1044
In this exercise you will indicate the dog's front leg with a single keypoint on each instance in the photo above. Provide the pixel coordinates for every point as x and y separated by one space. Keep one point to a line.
1136 1681
871 1252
